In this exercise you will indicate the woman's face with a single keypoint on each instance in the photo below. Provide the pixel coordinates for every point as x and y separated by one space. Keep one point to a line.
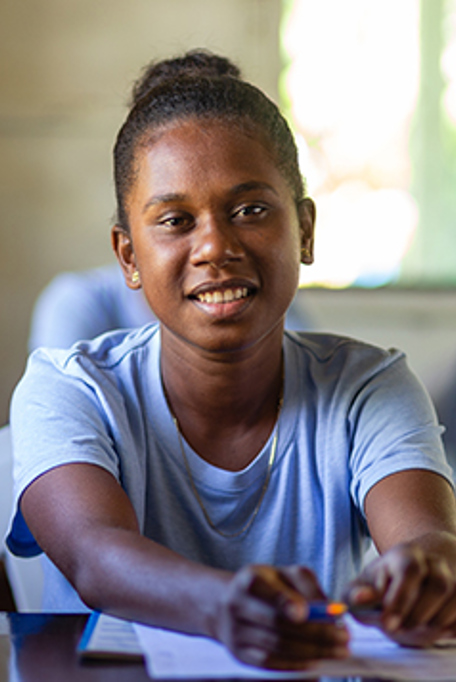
215 234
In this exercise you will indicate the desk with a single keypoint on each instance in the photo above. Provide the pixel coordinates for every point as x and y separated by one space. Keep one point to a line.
42 648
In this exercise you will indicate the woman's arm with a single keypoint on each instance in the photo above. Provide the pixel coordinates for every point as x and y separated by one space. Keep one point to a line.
84 521
412 520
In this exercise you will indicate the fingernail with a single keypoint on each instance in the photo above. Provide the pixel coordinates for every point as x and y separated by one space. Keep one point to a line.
361 593
295 611
342 636
341 652
448 634
392 623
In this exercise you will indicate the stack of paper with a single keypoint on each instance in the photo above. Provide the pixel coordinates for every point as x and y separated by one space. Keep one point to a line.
173 655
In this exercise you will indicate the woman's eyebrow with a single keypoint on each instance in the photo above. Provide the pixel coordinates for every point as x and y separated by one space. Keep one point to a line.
251 186
243 187
164 199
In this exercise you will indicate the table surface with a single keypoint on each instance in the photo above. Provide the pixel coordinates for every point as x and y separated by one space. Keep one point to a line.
43 648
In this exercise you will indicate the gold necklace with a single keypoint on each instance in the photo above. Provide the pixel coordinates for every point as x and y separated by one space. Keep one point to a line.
271 460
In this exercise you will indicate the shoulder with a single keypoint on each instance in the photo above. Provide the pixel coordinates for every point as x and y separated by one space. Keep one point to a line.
112 352
342 371
111 349
94 382
332 350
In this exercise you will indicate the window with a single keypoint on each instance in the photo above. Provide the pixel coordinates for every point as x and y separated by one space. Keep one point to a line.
370 87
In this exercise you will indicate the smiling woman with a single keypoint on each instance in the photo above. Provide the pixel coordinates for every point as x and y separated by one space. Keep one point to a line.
213 473
218 259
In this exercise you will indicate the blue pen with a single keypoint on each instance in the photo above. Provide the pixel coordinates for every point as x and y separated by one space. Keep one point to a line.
331 610
326 610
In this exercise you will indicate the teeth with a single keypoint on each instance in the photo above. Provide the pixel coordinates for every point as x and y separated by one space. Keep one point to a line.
223 296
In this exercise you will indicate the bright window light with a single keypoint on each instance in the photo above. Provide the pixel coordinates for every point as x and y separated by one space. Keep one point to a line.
352 83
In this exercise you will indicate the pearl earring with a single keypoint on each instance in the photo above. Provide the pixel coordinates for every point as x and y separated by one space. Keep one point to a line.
135 277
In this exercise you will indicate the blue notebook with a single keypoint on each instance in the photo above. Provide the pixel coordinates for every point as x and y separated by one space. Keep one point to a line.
108 637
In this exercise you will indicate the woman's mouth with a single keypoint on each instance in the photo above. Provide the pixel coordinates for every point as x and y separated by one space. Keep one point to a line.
223 295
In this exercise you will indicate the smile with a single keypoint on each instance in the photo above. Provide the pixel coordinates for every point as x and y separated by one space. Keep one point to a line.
225 296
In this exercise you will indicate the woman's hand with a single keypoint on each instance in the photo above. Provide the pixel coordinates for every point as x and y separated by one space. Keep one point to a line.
415 592
262 619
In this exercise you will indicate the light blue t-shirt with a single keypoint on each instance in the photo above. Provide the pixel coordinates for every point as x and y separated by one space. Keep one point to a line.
352 414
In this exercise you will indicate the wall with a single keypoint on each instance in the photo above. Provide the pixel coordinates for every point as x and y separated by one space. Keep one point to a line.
421 323
65 73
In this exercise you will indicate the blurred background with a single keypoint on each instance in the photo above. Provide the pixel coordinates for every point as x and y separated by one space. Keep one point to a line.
369 87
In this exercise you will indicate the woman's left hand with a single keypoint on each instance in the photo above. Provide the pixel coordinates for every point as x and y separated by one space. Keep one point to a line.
414 591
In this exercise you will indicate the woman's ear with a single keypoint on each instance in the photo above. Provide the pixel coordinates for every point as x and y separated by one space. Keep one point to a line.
123 248
307 215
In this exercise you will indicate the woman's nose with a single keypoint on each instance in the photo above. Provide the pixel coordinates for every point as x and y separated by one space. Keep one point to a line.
215 242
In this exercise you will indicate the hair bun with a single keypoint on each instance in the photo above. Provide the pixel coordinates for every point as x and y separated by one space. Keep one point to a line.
193 64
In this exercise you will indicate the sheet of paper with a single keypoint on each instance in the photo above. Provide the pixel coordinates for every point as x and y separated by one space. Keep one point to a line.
172 655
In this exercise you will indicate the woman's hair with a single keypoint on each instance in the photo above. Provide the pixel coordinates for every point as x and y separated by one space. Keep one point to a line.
195 63
204 86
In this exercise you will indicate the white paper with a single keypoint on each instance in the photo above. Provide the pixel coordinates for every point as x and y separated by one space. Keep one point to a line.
110 638
172 655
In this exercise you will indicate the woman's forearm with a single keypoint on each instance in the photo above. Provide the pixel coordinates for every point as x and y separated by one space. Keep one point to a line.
132 577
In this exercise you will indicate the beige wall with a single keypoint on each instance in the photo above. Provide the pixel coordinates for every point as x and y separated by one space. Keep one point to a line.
66 67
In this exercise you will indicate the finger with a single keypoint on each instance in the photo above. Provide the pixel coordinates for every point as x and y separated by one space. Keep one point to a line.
284 626
262 659
315 640
320 630
327 641
272 587
392 582
266 618
407 571
255 611
370 586
362 595
445 619
435 591
259 595
304 581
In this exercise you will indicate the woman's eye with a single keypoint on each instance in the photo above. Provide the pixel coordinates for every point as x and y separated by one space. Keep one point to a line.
174 221
250 210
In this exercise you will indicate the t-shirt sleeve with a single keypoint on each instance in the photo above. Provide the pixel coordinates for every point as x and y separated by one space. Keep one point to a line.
56 418
393 427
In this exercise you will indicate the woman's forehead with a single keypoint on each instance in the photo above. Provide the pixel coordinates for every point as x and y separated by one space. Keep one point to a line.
202 150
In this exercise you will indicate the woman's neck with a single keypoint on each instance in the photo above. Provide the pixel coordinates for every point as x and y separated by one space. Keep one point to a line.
226 405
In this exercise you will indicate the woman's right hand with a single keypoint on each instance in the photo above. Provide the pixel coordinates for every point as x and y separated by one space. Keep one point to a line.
262 619
86 522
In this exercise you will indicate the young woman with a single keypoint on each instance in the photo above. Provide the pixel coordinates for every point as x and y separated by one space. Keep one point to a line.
213 473
85 304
